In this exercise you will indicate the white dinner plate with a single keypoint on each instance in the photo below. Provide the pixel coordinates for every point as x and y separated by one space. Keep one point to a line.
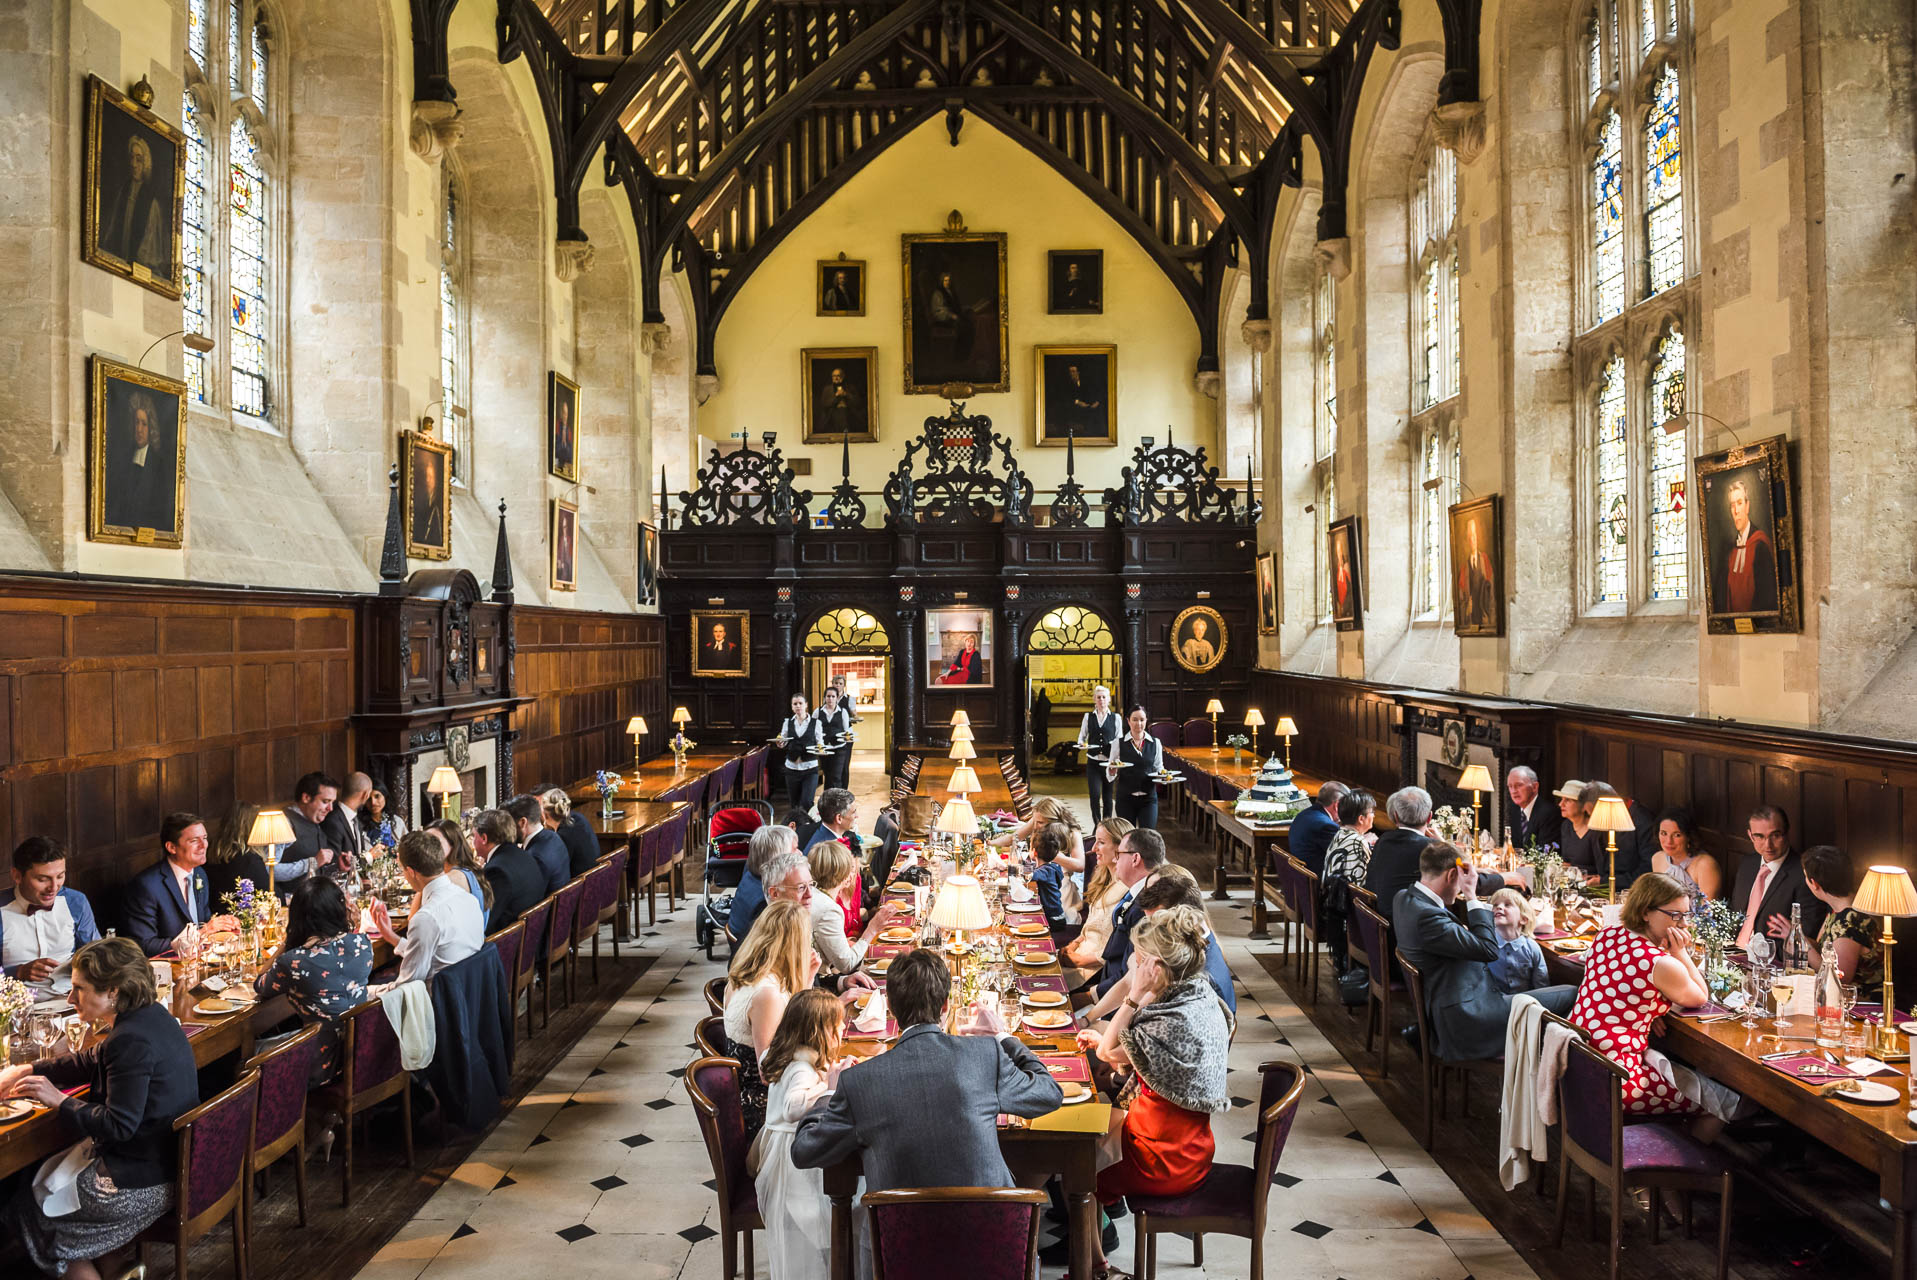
1074 1092
1867 1091
15 1109
1043 999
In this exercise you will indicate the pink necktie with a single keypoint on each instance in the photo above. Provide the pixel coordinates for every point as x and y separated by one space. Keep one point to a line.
1750 909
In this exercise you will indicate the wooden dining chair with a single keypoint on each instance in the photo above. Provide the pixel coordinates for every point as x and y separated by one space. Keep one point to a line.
1304 889
983 1233
1379 950
715 990
370 1073
1436 1072
209 1186
284 1071
560 948
532 941
713 1085
710 1035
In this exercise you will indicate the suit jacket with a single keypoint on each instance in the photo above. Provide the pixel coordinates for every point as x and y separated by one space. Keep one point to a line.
748 900
342 834
473 1023
519 884
926 1113
1394 866
1311 833
1543 825
154 910
1634 847
1786 887
142 1078
1467 1012
1118 947
549 851
582 845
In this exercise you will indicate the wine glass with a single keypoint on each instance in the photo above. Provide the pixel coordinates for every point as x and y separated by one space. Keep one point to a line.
1853 1030
76 1030
1753 995
1781 991
1759 950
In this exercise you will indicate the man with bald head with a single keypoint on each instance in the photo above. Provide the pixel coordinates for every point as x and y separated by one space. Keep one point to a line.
341 826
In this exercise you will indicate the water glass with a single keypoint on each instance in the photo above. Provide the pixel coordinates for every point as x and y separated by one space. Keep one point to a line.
1853 1029
76 1030
1754 986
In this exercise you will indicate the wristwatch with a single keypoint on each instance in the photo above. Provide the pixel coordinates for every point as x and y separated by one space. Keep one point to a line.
1132 1004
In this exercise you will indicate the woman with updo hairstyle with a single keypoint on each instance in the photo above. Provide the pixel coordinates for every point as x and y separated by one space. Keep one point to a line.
1171 1031
139 1080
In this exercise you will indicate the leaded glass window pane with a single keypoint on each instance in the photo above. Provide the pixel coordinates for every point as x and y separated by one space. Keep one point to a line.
1647 25
1454 378
259 64
196 37
452 347
1327 433
1431 516
1593 61
1607 220
1431 318
195 242
248 267
233 63
1613 503
1664 185
1670 539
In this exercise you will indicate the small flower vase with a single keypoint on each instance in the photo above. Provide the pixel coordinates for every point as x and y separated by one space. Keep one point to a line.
1720 976
1237 755
605 809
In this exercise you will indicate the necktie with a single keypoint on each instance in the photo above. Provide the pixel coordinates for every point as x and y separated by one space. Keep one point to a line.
34 906
1118 912
1758 886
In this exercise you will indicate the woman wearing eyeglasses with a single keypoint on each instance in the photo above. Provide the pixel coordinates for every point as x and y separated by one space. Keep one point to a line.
1636 972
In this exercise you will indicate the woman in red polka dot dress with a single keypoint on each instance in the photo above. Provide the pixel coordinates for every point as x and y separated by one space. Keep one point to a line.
1635 972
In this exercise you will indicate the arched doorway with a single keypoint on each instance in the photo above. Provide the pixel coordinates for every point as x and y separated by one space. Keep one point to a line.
1071 650
850 646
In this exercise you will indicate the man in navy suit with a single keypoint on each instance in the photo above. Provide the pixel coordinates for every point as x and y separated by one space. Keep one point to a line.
541 841
1140 856
1312 830
171 894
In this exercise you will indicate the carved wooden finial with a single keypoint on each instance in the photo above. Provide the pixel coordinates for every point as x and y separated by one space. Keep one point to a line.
954 222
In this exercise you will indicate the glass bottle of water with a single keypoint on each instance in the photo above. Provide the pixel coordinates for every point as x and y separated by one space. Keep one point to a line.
1797 947
1829 999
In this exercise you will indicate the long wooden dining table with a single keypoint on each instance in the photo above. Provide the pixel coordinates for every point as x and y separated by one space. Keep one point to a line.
1063 1144
1260 841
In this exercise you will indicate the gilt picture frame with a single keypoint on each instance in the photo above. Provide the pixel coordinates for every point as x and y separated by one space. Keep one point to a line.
721 643
133 188
1748 526
136 456
425 495
957 317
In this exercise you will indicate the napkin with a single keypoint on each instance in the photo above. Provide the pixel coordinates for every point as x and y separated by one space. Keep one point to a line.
1021 892
1870 1067
872 1021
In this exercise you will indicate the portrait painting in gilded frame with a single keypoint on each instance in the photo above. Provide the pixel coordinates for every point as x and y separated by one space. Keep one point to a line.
133 186
1749 529
956 315
425 495
136 472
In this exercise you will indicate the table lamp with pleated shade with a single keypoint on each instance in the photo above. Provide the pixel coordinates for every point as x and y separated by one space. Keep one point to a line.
961 751
1477 780
961 904
1214 709
1611 815
445 782
1254 721
962 733
1887 891
1287 728
964 781
636 729
681 717
959 717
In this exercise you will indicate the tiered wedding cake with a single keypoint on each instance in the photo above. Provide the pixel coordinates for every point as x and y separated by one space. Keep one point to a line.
1274 797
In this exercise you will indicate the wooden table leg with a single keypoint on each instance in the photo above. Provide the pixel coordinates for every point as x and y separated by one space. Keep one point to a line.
1218 893
841 1180
1083 1207
1259 933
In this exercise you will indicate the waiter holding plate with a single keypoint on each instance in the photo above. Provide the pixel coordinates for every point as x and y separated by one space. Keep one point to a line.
1097 731
1136 761
835 726
799 737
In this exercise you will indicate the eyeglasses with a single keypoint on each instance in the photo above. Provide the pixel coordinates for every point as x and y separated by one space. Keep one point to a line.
1677 917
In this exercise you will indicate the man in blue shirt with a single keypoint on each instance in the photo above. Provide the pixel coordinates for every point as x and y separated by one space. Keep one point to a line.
1312 830
838 811
1181 891
42 922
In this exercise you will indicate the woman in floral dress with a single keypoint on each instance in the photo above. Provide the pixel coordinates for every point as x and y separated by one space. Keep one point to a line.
323 967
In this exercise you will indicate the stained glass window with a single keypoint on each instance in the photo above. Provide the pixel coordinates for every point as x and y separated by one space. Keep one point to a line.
1327 317
1431 518
196 43
1667 499
1607 219
1613 503
452 333
1664 184
194 243
248 267
259 64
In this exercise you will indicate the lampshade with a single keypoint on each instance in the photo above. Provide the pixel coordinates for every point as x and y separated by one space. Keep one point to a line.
961 905
1611 814
959 717
445 781
681 716
636 726
961 751
962 733
1214 708
1287 727
1886 891
964 781
1477 778
957 819
1254 718
271 827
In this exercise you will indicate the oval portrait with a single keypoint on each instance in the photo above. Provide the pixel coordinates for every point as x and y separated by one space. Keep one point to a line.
1198 638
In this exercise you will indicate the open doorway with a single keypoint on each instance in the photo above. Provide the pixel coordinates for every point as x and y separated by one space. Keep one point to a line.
849 647
1070 652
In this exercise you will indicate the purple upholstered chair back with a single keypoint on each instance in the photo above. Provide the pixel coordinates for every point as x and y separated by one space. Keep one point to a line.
1585 1093
714 1086
565 910
1279 1090
375 1046
1166 731
508 942
941 1239
535 922
1304 888
1197 732
1288 884
1374 935
218 1137
616 877
282 1089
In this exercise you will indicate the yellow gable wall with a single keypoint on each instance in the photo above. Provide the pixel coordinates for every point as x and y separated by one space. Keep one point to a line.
997 186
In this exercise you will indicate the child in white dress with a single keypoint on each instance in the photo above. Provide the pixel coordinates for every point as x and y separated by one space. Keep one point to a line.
800 1073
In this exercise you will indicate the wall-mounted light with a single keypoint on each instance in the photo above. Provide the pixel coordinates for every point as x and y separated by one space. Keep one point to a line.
191 341
715 599
1433 483
771 438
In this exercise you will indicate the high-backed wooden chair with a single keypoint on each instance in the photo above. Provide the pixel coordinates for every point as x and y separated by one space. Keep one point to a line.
281 1124
713 1084
1437 1072
532 940
370 1073
209 1187
983 1233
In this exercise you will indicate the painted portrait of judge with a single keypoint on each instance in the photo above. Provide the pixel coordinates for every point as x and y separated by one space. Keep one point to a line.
136 178
721 642
138 452
839 387
1749 535
1477 568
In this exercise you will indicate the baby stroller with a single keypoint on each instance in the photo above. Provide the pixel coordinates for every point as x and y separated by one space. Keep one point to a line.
728 838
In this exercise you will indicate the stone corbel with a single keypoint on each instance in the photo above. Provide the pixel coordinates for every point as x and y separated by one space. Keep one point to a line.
655 338
1334 256
1257 335
436 128
1460 127
572 259
705 386
1208 382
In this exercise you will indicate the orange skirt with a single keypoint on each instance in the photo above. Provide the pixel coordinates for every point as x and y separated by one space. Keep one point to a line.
1168 1150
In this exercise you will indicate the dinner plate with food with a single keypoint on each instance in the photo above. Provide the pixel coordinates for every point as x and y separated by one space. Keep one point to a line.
15 1109
1048 1020
1573 946
216 1004
1030 928
1032 959
1024 908
897 933
1074 1092
1043 999
878 966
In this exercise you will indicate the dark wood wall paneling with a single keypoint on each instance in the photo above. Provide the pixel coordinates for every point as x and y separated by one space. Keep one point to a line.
590 673
120 704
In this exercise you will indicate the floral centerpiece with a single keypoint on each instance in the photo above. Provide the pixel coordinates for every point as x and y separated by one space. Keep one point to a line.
1237 742
244 905
16 1003
387 838
1716 924
607 785
1454 826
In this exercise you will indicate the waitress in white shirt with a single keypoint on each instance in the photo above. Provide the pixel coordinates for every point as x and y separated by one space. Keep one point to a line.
835 722
1137 757
1099 729
797 735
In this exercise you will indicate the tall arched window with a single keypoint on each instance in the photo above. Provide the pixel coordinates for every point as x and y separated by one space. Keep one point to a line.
234 224
1435 381
1324 431
454 348
1638 285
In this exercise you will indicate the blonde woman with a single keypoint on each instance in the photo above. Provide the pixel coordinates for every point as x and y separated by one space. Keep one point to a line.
775 962
1045 811
1103 892
835 873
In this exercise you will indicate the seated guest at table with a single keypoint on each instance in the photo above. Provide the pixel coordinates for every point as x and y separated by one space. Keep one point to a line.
1141 855
1531 819
311 851
462 863
139 1079
323 968
1520 963
376 811
1772 882
517 882
446 925
925 1112
770 967
1634 847
1312 830
1177 887
342 825
1578 845
1174 1036
834 874
1466 1010
541 843
802 1066
1084 959
838 812
1832 877
42 922
1048 878
1139 757
1394 855
799 733
1045 811
1346 861
229 860
749 899
160 902
582 843
1634 973
1681 857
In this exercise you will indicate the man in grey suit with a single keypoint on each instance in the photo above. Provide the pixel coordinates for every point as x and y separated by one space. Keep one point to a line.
1466 1012
925 1113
